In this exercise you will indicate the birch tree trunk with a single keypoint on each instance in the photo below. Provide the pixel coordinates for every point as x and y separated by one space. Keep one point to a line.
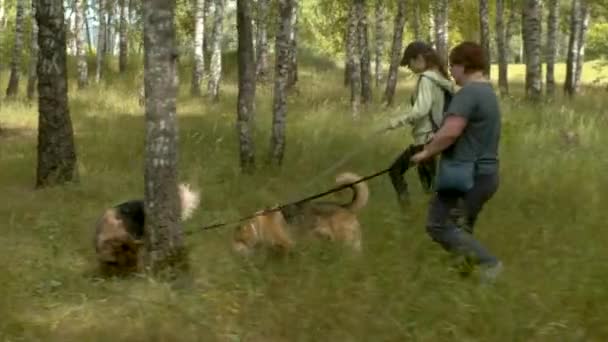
552 38
109 45
164 241
512 24
580 55
208 9
502 49
101 39
2 15
123 46
32 72
380 11
198 69
571 59
261 60
441 29
292 73
86 25
247 78
391 81
532 48
82 66
366 73
484 29
282 46
354 66
13 82
213 88
56 161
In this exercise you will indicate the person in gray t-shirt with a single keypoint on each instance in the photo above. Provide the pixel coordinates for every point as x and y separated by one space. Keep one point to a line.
470 133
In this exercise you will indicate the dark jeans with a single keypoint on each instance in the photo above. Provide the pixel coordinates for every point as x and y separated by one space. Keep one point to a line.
426 171
443 228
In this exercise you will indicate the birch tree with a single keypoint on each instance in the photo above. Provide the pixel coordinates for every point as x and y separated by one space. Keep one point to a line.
282 46
391 81
82 65
532 48
164 241
441 29
261 50
215 77
13 82
198 69
32 72
56 158
247 79
552 38
484 30
502 49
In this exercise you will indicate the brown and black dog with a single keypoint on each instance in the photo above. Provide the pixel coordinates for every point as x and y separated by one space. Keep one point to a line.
119 233
278 228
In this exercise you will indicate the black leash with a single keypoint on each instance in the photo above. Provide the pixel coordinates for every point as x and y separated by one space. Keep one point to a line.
304 200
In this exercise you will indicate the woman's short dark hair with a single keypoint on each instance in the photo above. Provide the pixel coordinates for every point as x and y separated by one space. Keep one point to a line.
431 57
470 55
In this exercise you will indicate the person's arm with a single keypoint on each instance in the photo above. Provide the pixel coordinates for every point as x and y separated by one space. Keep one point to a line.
421 107
454 124
452 128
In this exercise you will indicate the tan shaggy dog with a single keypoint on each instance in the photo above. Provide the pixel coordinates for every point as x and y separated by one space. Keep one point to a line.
278 229
119 233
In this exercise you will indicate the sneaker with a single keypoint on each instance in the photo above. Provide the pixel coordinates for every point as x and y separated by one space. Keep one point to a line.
489 274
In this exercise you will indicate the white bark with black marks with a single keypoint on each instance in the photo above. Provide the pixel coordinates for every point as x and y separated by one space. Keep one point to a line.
247 79
82 65
582 33
198 68
552 39
441 29
56 150
484 31
393 71
13 82
261 48
292 76
512 26
32 77
281 74
110 27
572 56
101 39
164 240
2 15
531 24
353 64
213 87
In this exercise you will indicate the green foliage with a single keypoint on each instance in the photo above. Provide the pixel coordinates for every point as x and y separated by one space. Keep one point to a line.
597 41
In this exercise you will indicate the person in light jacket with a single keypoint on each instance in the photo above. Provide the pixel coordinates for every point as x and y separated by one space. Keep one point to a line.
425 116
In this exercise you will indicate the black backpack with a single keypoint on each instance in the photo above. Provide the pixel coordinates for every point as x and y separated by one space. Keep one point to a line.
447 98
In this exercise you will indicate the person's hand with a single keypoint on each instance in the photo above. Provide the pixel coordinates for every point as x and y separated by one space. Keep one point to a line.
420 157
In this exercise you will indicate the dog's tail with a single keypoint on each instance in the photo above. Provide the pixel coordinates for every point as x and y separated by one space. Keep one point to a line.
189 200
361 191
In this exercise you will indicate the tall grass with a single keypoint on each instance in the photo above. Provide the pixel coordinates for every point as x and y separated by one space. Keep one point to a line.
546 223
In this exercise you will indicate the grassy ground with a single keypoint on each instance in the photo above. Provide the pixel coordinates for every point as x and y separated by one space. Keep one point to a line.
546 223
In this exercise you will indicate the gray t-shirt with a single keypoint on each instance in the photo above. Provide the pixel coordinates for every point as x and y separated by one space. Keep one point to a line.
477 102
